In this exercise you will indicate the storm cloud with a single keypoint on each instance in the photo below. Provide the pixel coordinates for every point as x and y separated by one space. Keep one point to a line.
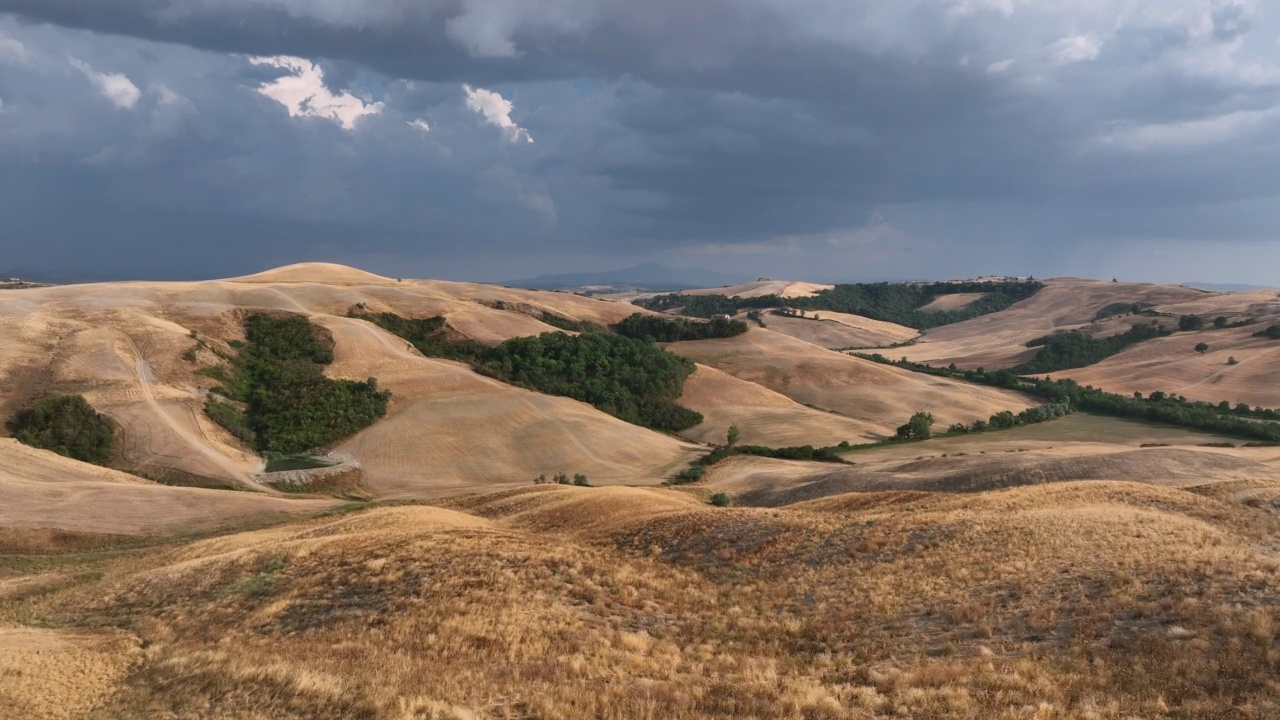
498 138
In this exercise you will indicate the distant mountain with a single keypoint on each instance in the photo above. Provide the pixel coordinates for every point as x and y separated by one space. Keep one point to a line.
1225 287
649 276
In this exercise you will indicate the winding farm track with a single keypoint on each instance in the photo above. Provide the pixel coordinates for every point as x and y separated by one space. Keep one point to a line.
200 444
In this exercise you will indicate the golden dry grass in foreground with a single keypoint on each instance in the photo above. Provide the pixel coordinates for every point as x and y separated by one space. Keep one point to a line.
1076 600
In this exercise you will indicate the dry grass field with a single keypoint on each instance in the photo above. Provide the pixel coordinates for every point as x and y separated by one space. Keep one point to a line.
1169 364
1071 600
879 396
999 340
839 330
129 349
1085 568
954 301
760 288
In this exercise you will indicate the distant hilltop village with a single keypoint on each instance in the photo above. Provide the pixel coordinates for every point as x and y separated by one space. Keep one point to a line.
14 283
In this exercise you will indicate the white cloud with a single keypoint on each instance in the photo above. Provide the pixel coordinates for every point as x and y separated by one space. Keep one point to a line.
304 94
12 49
1071 50
115 87
420 124
496 111
1000 66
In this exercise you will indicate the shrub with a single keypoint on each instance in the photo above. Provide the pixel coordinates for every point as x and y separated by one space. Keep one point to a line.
721 500
690 475
67 425
1232 360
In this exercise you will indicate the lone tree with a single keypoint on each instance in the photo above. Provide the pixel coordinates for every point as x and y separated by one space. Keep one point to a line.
1220 322
917 428
1202 348
1232 360
734 434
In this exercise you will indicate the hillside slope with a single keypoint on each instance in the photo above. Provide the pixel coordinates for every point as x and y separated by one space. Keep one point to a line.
881 397
1076 601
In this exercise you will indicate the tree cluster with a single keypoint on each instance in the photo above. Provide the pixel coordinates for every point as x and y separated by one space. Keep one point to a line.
1189 323
280 396
919 427
428 335
1076 349
67 425
633 380
1272 333
560 478
668 329
704 306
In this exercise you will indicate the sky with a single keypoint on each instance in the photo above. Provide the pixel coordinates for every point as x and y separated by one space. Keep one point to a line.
497 139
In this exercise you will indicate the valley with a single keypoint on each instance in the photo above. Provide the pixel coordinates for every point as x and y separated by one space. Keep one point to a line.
509 528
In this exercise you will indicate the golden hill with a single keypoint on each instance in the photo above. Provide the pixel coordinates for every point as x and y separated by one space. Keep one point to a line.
1077 600
130 349
43 490
881 397
999 340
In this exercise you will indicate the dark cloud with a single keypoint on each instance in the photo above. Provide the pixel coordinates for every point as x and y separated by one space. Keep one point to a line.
902 137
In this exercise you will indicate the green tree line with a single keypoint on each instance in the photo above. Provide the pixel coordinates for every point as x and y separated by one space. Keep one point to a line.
1076 349
892 302
1156 407
674 329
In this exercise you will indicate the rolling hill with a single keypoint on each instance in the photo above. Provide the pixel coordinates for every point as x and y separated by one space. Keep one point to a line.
1084 568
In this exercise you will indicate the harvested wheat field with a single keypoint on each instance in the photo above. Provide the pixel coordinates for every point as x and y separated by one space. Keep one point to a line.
999 340
760 288
840 330
1085 568
880 396
1075 600
134 351
764 416
45 490
954 301
451 429
1172 365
